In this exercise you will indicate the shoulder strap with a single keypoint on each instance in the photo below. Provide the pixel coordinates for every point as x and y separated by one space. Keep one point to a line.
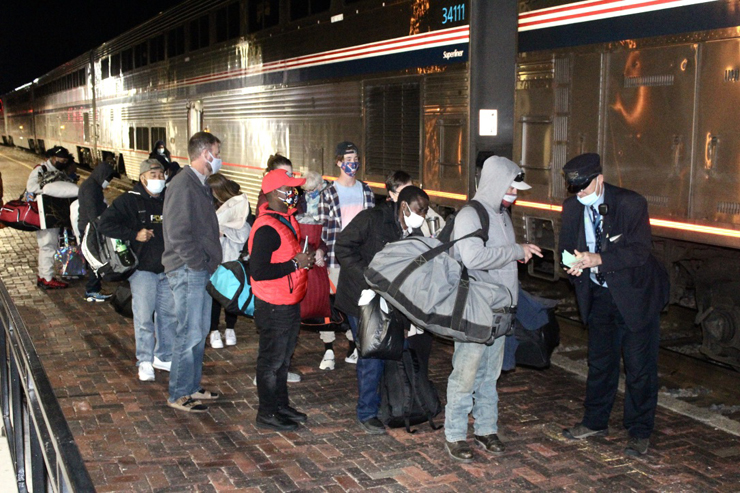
141 208
285 222
483 216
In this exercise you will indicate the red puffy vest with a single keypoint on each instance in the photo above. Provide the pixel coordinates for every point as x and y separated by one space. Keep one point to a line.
291 289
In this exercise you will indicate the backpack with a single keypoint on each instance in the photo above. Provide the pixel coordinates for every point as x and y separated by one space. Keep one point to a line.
446 234
111 259
407 396
121 300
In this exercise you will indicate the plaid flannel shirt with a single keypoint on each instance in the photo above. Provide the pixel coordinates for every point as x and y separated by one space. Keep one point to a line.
330 217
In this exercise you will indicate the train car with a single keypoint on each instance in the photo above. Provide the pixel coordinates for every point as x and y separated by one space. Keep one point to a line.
651 87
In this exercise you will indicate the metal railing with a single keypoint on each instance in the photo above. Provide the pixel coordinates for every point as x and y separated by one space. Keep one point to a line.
45 455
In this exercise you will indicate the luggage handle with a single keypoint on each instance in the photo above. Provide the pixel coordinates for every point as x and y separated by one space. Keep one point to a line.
426 257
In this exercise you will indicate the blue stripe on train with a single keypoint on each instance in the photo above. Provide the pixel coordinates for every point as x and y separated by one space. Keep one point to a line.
424 58
700 17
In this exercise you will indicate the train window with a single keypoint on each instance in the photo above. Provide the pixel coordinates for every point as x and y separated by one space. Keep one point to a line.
263 14
156 49
141 52
199 33
393 128
176 42
158 133
227 22
142 138
82 77
127 60
130 137
115 65
304 8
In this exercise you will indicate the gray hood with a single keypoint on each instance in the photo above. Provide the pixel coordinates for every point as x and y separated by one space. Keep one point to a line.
495 179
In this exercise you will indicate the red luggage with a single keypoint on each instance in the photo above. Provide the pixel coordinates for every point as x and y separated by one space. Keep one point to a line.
21 215
316 302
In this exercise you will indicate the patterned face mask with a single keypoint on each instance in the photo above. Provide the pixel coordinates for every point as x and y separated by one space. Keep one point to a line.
289 198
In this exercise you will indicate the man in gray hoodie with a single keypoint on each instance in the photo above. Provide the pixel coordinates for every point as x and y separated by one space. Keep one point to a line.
476 367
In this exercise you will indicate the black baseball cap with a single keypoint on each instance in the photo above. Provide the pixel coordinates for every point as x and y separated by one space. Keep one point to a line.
346 147
58 151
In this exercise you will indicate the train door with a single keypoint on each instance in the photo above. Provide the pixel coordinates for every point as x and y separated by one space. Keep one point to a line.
195 117
649 124
716 188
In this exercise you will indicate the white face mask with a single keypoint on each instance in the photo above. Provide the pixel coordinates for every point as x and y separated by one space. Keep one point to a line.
413 220
510 198
105 184
155 186
215 164
590 199
160 151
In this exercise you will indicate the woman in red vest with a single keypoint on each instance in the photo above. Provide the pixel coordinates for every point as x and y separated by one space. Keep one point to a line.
279 266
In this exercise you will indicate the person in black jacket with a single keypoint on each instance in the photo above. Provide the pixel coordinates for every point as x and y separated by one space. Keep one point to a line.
355 248
136 217
621 289
92 204
162 154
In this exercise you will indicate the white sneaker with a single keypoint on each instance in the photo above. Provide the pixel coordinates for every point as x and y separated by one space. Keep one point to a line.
327 363
352 358
146 372
215 340
293 377
230 337
162 365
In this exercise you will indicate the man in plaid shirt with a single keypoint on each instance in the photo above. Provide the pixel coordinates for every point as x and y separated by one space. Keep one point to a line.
339 204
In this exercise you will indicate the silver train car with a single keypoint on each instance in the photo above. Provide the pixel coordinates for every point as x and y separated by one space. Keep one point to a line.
427 86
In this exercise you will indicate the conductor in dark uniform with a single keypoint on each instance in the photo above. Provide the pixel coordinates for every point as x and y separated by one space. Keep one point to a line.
621 289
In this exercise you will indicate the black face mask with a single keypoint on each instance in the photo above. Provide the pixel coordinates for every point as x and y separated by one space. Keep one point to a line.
62 166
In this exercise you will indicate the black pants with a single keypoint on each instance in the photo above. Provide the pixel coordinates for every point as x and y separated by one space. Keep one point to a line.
608 339
216 314
278 327
93 282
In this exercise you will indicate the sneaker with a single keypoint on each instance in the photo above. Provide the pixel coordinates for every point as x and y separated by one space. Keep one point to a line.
373 426
460 451
579 432
215 340
292 377
490 443
53 284
327 363
352 358
188 404
146 372
98 297
162 365
230 337
205 395
637 446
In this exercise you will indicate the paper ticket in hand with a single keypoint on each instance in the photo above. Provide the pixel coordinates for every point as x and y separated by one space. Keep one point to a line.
569 259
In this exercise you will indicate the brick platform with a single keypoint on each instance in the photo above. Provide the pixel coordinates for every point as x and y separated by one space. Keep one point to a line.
131 440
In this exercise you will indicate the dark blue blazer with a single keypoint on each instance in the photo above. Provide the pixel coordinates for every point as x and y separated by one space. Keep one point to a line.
637 281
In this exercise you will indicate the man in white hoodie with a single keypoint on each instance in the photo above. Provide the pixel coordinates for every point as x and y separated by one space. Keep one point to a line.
476 367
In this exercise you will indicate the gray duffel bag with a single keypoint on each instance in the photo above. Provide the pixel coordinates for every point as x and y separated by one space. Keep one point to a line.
419 277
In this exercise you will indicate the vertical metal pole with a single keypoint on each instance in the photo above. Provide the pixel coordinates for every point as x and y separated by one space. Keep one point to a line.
16 394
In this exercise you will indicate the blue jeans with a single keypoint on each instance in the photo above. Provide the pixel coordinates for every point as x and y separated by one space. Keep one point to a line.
155 321
609 339
369 374
193 310
475 370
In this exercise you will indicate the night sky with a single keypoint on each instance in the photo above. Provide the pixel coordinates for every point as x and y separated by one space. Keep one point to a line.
36 37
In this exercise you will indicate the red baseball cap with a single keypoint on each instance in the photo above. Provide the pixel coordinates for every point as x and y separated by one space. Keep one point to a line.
277 178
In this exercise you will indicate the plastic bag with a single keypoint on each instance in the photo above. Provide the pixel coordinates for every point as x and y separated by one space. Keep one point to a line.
381 331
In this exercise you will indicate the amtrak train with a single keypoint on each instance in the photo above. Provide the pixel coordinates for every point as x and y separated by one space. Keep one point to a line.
428 86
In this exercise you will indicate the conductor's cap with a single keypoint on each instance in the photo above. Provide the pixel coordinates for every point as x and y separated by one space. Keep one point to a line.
580 170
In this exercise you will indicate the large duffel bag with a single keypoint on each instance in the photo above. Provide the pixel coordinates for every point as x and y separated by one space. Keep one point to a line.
20 214
231 287
418 276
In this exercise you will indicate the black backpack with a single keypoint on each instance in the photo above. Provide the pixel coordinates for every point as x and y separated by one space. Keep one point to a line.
408 397
446 234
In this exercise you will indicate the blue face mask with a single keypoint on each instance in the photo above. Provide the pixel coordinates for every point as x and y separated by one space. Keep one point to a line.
350 169
591 198
314 194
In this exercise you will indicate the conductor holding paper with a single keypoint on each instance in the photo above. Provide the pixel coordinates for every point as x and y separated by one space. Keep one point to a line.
621 289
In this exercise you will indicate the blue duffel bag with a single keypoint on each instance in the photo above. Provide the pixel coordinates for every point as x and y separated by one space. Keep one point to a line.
230 286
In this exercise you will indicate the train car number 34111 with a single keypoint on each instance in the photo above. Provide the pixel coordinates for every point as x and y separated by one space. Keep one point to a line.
455 13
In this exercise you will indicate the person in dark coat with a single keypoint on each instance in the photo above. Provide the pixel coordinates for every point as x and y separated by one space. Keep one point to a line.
92 204
621 289
355 248
162 154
